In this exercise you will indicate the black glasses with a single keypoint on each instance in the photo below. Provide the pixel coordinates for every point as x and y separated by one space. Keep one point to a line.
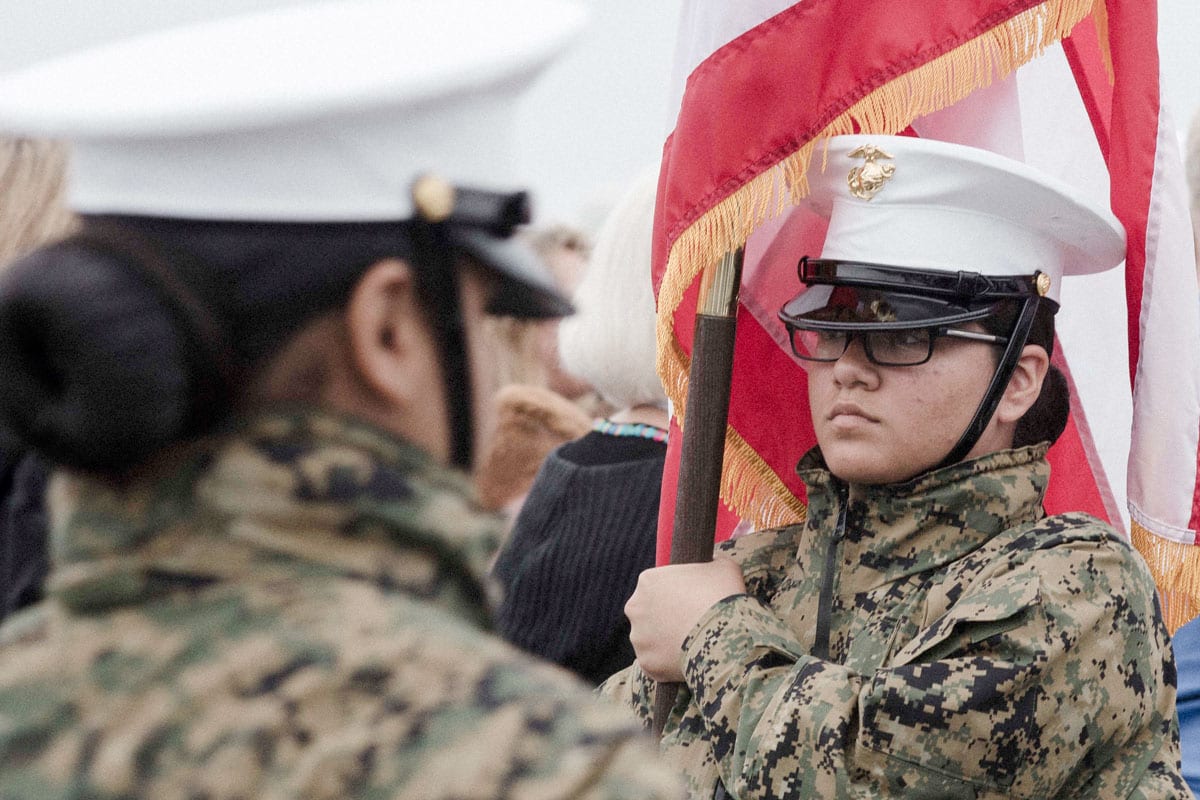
906 347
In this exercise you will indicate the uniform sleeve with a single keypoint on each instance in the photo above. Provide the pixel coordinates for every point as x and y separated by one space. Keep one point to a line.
1044 678
631 689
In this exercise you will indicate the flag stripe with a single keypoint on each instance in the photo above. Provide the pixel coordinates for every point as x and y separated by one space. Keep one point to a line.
1134 139
1082 49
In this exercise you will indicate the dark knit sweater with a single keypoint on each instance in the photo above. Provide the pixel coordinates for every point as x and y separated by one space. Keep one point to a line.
585 532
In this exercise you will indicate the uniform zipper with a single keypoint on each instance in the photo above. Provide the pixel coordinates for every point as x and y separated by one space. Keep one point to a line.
825 599
824 604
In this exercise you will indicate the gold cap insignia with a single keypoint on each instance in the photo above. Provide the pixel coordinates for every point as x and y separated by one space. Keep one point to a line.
868 178
433 198
1041 282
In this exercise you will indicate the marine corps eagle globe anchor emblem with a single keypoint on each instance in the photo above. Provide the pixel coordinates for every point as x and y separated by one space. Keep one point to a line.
866 180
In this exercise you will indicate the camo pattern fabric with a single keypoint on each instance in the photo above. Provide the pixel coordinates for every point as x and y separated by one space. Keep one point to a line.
293 610
977 650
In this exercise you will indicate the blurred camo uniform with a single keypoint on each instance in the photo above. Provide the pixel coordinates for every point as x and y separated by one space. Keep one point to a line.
937 635
251 599
292 609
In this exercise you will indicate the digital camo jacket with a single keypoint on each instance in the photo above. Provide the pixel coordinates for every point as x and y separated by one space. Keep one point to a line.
294 610
975 649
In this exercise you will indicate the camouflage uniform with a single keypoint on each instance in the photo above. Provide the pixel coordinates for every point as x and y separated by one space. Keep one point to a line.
292 610
977 650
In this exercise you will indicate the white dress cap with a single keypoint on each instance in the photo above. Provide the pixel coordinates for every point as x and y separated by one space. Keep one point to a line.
924 204
319 112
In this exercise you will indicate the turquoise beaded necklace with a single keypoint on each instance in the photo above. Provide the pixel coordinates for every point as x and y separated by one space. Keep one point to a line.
638 429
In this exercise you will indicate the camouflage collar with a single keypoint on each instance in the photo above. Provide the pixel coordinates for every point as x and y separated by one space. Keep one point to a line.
902 529
292 491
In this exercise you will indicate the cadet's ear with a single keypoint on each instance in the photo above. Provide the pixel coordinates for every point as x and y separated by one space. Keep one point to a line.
1025 384
390 344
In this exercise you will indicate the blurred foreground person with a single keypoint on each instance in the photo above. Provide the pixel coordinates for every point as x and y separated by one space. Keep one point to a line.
588 525
32 212
927 631
257 363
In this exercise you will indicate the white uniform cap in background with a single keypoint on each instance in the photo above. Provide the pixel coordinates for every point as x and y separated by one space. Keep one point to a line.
321 112
924 204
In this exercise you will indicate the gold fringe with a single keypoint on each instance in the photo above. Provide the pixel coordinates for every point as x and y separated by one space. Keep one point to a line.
748 485
1176 570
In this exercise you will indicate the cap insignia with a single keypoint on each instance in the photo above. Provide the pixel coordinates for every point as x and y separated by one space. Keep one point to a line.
433 198
868 178
881 311
1041 282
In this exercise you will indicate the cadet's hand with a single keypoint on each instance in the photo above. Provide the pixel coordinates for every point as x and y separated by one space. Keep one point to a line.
667 604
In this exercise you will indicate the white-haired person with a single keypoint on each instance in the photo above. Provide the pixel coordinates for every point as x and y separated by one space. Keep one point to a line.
927 631
260 369
587 527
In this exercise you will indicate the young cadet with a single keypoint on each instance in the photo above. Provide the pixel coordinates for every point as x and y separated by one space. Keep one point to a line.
257 363
927 631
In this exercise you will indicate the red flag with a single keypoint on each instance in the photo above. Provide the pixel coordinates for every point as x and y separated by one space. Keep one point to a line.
1070 87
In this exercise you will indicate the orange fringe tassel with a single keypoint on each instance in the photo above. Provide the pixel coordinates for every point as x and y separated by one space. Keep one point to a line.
1176 570
748 485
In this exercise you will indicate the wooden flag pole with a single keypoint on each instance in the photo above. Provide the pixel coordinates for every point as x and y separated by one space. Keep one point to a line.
702 452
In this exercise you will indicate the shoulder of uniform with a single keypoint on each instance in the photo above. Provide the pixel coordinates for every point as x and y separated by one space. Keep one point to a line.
1056 532
1073 549
1054 544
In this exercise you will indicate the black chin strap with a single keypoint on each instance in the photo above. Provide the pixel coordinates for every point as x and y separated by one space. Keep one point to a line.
995 390
438 282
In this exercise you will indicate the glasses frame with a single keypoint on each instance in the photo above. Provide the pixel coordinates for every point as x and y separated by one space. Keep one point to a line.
936 332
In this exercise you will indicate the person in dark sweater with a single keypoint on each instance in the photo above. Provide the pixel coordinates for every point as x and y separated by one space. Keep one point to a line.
587 528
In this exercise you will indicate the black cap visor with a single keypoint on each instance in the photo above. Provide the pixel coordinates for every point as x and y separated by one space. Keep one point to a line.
524 289
850 308
844 296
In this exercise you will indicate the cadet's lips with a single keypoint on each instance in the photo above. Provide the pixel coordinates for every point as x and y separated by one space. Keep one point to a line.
845 409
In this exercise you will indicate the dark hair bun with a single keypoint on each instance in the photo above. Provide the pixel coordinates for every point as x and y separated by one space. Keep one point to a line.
94 370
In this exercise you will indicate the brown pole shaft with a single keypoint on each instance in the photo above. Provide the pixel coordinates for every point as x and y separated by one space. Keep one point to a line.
701 455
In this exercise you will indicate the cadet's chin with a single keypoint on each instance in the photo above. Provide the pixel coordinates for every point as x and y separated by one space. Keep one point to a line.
863 463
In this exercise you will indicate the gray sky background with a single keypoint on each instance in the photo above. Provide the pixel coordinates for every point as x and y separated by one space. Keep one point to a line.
592 123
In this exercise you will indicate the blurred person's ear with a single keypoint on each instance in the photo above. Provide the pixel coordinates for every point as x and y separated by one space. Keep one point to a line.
394 358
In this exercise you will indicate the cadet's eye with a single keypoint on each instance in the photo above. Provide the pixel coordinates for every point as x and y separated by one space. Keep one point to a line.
900 340
911 338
